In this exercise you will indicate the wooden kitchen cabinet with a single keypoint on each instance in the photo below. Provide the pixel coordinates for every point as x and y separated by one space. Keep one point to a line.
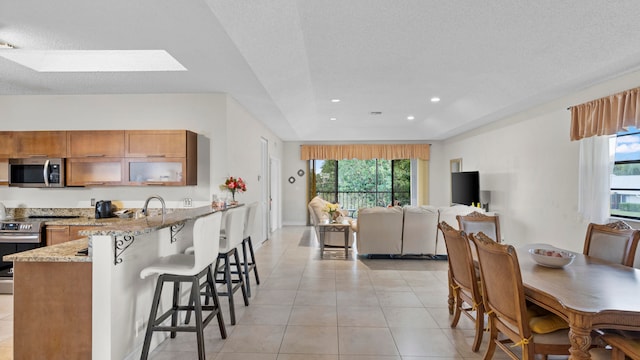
58 234
161 157
158 171
6 144
110 157
94 171
4 172
52 310
95 144
39 144
159 143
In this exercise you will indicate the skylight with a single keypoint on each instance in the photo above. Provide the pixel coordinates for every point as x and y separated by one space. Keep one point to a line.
94 60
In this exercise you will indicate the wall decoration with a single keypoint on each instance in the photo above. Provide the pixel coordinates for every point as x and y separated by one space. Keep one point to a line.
292 179
455 165
300 172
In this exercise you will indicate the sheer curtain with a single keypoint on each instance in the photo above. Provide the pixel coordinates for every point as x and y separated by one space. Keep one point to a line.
595 166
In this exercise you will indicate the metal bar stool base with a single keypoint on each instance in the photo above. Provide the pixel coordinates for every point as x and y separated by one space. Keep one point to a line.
155 322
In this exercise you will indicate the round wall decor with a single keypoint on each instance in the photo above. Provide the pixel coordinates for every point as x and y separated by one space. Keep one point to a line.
292 179
300 172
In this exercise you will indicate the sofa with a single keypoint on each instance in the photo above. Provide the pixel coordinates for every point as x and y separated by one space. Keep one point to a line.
408 230
317 215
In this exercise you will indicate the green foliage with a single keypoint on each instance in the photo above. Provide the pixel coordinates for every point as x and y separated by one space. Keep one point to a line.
326 179
632 207
626 169
364 183
402 181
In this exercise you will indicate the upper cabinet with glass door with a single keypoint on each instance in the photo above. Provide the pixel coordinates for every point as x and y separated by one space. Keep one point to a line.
161 157
95 157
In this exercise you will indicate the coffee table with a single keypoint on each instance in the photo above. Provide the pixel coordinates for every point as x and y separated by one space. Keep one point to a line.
334 227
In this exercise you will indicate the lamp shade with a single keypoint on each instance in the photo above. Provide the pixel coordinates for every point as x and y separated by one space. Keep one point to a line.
485 196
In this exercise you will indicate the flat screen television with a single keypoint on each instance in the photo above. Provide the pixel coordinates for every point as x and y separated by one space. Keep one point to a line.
465 187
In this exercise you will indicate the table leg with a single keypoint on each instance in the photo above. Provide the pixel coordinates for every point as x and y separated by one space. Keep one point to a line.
580 339
346 243
321 243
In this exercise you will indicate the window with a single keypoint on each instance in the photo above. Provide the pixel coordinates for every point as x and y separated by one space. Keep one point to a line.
625 177
363 183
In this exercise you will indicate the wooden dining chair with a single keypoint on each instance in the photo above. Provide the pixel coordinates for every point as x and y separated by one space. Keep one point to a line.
463 280
476 222
615 242
504 302
621 348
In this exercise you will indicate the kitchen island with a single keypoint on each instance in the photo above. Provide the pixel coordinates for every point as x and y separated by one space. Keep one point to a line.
71 306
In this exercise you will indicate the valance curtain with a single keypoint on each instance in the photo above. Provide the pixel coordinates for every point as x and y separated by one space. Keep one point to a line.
364 151
606 116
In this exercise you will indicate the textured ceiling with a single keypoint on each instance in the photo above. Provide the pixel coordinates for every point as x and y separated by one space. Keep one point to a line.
284 60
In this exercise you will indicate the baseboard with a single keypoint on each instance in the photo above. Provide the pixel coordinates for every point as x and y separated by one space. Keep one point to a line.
294 223
406 257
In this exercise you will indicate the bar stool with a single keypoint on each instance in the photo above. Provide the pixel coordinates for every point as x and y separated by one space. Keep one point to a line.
249 264
234 226
187 268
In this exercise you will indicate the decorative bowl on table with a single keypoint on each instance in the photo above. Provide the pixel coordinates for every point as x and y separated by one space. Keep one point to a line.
552 258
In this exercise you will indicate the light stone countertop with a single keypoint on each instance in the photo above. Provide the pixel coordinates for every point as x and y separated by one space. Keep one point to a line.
65 252
131 226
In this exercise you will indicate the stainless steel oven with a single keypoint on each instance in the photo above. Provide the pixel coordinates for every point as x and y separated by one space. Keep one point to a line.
17 236
36 172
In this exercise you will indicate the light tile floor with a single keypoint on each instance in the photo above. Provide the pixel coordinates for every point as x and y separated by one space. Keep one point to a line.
307 308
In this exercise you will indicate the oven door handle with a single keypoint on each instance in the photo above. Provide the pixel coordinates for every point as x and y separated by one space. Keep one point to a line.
26 238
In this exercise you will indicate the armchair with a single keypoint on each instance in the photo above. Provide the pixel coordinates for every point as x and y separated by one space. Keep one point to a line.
380 230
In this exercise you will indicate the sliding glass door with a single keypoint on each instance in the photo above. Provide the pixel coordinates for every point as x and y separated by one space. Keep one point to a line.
362 183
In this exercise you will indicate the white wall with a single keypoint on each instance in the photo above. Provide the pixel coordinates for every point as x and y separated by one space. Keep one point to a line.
228 141
244 136
530 166
294 196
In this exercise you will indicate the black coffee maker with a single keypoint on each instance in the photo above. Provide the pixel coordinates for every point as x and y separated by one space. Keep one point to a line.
104 209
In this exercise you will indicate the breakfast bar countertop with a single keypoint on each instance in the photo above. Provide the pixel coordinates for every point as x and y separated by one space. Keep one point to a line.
65 252
68 251
138 226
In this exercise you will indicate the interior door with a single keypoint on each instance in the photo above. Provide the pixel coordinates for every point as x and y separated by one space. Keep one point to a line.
264 188
276 187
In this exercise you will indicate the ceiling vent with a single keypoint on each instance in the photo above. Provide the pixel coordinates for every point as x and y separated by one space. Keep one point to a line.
375 113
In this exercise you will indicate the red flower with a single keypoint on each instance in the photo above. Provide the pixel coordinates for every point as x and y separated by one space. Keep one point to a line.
232 184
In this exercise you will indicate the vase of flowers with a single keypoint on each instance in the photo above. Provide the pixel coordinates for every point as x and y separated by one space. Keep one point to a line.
234 185
332 210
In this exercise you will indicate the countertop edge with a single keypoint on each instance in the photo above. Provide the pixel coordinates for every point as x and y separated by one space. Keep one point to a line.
65 252
152 223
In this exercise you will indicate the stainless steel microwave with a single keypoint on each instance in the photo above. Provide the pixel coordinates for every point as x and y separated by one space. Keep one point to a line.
36 172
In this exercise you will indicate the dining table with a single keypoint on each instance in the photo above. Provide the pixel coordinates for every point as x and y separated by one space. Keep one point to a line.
589 294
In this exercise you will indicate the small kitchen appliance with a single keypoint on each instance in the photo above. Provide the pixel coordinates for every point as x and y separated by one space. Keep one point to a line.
104 209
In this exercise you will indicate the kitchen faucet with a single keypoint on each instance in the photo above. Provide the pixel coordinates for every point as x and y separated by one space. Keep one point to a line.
146 204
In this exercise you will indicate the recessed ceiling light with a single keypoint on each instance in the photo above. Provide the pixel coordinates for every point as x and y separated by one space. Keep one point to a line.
335 100
435 99
411 117
94 60
333 119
